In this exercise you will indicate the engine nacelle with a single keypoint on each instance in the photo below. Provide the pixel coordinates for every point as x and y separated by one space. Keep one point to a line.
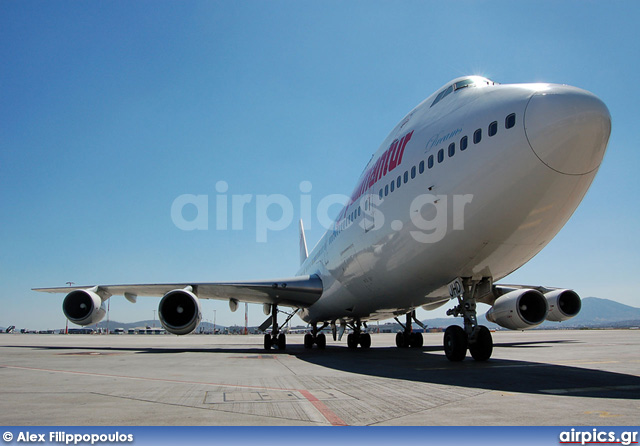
563 305
179 312
519 309
83 307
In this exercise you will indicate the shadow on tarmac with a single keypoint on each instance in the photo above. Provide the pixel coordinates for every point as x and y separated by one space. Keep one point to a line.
429 365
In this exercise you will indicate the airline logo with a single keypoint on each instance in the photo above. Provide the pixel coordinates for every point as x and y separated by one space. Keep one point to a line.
390 159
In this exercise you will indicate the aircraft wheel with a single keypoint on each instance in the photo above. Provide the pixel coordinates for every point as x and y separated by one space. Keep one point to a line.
267 342
308 340
321 341
365 340
352 341
483 347
455 343
282 341
417 340
400 340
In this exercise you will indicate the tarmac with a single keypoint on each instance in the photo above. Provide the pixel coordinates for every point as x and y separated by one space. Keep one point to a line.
542 377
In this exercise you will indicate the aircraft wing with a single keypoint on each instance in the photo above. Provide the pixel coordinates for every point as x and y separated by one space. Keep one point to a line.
300 291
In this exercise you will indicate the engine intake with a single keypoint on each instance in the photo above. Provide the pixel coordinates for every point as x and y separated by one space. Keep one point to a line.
179 312
519 309
83 307
563 305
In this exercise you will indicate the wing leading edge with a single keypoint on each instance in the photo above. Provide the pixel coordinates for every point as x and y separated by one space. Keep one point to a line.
300 291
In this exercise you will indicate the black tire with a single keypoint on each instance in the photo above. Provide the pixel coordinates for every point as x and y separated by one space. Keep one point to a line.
400 340
282 341
416 340
482 348
365 340
267 342
321 341
308 340
455 343
352 341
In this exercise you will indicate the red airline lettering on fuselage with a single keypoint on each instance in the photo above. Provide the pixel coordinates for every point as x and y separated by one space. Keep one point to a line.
388 161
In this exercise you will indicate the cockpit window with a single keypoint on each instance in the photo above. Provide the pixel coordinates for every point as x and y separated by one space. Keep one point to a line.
443 94
464 83
474 81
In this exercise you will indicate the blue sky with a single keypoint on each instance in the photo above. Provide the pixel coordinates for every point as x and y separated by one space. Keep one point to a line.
109 111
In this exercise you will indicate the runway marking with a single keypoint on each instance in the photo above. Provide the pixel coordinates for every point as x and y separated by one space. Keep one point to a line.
331 417
327 413
179 381
587 362
490 366
603 414
588 389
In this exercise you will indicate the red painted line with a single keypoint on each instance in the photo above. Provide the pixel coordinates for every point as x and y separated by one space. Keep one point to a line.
331 417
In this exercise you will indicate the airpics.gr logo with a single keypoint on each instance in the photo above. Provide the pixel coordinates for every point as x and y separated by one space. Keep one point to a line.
598 437
427 213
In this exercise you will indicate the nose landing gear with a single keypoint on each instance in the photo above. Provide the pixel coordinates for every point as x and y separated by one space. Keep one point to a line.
476 338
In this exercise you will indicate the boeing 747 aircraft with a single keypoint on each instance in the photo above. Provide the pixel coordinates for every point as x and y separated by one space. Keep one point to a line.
467 187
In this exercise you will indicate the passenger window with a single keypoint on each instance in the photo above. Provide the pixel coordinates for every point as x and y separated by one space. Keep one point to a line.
393 185
440 155
386 190
398 182
477 136
413 172
359 209
430 161
421 167
510 121
463 143
452 149
380 193
406 176
493 128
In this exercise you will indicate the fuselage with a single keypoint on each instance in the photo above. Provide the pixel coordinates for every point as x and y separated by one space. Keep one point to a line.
473 182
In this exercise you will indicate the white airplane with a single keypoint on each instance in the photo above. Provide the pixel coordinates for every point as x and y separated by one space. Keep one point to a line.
468 187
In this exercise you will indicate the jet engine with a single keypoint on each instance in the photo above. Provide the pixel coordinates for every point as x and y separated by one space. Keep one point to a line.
563 305
519 309
83 307
179 311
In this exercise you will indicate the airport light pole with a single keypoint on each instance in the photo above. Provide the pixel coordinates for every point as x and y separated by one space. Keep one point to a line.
214 321
154 318
246 318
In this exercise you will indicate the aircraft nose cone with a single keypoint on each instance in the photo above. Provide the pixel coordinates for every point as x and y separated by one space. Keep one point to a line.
568 129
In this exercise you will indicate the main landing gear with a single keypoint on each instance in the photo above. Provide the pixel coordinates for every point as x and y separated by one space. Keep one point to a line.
476 338
408 338
275 338
315 337
357 338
